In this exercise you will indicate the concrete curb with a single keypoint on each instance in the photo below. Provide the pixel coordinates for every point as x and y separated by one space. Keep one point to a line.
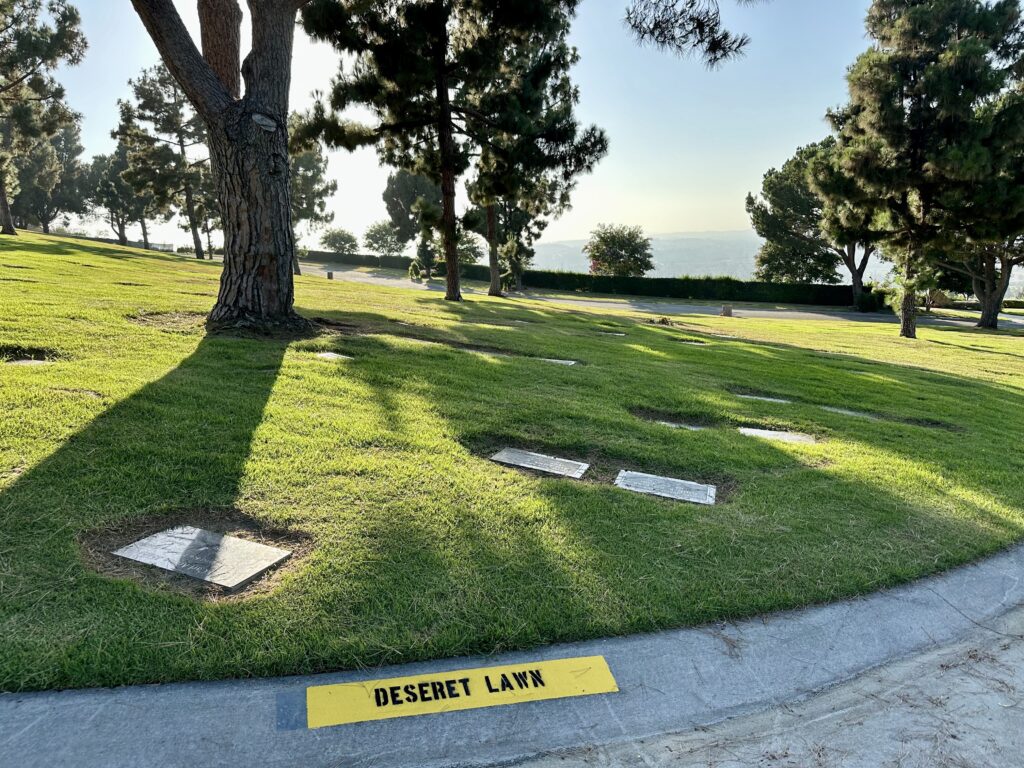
670 682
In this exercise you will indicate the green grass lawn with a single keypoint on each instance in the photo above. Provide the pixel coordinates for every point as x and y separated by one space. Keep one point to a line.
413 545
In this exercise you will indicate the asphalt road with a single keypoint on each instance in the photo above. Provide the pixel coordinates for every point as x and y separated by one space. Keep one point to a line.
634 304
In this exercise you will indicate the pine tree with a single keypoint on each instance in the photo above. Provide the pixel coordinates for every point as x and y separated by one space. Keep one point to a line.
988 267
417 68
247 136
34 39
801 241
929 144
686 26
115 197
405 197
533 150
310 187
50 178
160 119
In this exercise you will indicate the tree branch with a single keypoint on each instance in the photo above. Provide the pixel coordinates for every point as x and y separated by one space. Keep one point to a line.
195 76
220 24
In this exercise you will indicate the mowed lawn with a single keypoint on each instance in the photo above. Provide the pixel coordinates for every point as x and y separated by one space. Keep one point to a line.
411 544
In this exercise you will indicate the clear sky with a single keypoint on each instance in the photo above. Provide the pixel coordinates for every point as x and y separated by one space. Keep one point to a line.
687 143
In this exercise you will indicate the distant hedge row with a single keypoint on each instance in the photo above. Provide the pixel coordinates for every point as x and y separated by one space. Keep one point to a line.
698 288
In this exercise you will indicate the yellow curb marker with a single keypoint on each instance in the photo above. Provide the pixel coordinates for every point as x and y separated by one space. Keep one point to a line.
346 703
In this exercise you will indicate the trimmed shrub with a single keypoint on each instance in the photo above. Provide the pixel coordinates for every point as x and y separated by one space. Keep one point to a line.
694 288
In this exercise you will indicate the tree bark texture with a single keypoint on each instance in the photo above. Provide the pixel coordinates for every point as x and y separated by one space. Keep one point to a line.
190 214
248 142
145 233
991 292
446 147
492 251
190 203
6 219
908 315
119 226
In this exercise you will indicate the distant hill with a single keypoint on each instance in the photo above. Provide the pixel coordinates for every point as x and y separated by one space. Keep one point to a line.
692 254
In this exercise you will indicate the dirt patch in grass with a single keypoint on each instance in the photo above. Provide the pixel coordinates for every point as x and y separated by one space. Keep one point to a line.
18 355
97 549
15 266
676 417
12 473
84 392
16 280
132 285
932 424
170 322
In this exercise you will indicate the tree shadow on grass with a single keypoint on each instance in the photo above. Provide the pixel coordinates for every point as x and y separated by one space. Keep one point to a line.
428 549
179 443
45 246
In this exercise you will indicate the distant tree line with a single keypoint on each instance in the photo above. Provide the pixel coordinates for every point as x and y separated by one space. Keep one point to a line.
925 167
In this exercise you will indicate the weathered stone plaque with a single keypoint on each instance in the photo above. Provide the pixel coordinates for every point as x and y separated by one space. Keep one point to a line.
778 437
764 399
675 425
332 356
541 463
226 561
558 362
28 361
667 487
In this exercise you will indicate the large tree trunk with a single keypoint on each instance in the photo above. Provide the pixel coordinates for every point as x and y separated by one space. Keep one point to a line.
145 233
120 229
446 147
492 251
6 219
248 142
193 225
250 152
190 202
46 226
424 256
991 292
908 315
857 269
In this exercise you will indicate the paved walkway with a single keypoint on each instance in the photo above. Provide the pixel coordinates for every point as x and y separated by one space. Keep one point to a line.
669 682
957 706
637 304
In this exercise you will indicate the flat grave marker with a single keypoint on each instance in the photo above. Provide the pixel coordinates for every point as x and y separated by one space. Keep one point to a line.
332 356
852 414
667 487
538 462
226 561
676 425
766 399
611 333
778 437
556 361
